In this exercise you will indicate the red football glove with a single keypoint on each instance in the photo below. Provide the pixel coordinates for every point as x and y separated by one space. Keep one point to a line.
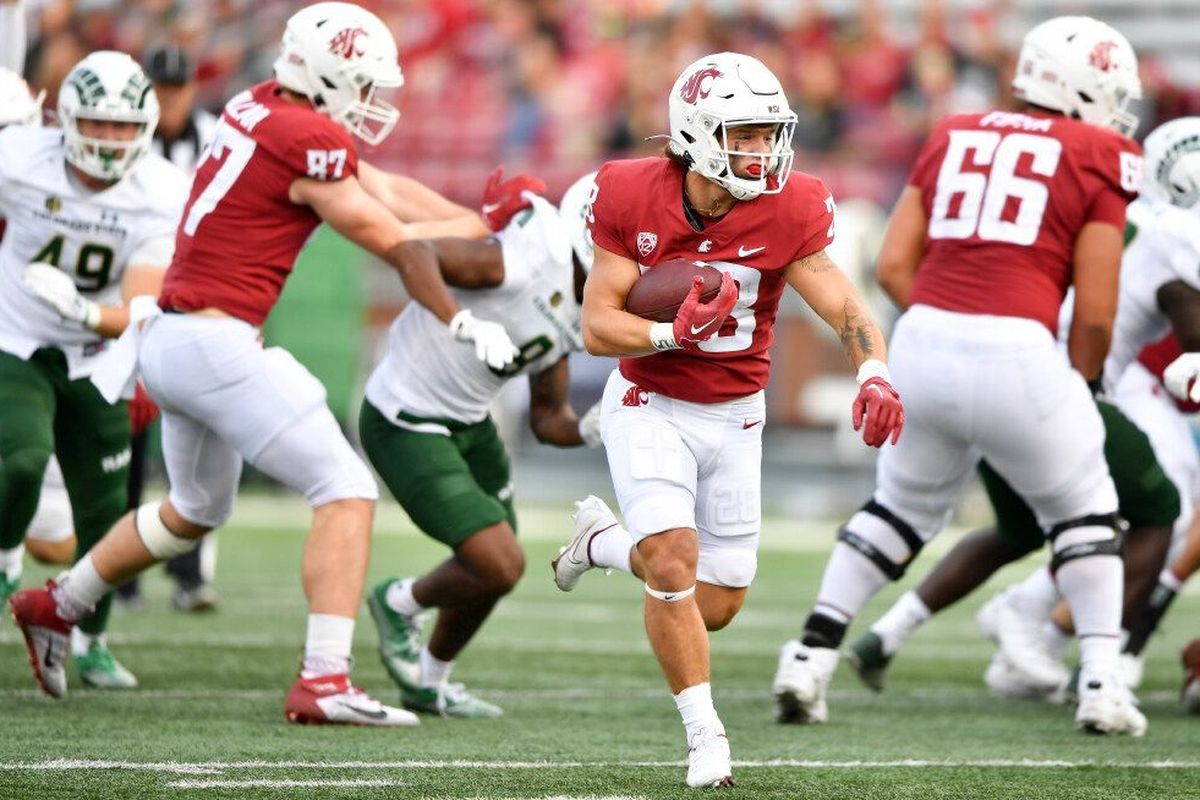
142 410
698 321
877 411
502 199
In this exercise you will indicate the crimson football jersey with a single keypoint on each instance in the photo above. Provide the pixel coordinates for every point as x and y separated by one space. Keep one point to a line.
638 214
1006 195
240 234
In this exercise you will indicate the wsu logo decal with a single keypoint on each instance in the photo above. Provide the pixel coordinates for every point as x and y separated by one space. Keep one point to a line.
345 43
1101 56
692 88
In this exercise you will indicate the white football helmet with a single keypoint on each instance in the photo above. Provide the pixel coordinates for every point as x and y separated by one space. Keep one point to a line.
107 85
1081 67
18 105
339 55
1171 169
722 91
576 212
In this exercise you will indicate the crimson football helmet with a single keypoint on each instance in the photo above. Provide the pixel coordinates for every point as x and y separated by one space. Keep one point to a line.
339 56
722 91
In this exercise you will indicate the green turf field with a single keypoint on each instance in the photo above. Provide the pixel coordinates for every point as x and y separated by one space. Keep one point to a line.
588 715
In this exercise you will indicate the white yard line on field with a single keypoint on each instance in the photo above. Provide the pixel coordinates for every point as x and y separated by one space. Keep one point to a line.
259 783
216 767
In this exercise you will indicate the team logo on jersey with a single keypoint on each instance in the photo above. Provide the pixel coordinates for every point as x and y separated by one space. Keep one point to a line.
635 396
695 88
53 204
345 42
556 300
1101 56
646 242
705 246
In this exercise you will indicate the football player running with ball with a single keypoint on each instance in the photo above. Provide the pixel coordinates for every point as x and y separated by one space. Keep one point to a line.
1003 212
91 218
426 429
281 162
683 416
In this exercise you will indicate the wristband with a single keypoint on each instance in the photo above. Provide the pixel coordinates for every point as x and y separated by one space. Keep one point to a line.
662 336
872 368
91 315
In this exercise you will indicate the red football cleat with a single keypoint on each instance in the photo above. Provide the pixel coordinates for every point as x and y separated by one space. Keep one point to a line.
331 699
47 636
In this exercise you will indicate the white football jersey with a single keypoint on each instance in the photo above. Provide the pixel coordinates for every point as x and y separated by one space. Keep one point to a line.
91 236
1164 248
426 373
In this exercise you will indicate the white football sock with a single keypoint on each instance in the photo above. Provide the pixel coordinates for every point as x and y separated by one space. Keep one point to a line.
696 708
1168 579
327 645
12 562
434 671
400 598
79 590
1037 595
81 642
1092 586
609 549
900 621
850 580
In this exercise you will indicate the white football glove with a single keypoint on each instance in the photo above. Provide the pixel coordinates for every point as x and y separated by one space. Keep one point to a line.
52 286
492 345
1180 377
589 427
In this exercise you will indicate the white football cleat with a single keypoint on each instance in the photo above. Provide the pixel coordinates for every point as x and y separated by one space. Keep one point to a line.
708 760
592 517
1004 679
800 683
1024 642
332 699
1107 706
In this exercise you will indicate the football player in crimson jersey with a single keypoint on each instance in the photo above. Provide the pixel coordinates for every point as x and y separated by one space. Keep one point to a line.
281 161
682 419
981 259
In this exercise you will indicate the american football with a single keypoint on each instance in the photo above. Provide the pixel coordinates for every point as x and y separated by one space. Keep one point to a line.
658 294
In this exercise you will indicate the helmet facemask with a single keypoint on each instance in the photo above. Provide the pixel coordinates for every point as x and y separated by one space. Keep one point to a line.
773 166
1171 170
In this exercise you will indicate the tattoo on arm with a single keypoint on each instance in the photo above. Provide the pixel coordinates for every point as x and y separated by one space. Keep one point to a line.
817 262
856 330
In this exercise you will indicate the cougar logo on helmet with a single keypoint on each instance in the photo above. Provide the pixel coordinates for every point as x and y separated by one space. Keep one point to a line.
1101 56
345 43
692 89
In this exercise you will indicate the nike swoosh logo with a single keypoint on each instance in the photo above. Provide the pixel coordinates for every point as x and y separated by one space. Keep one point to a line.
49 660
747 424
668 597
489 208
743 252
699 328
366 712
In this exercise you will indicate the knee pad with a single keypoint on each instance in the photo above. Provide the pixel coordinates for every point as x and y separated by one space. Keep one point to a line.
1089 535
671 597
882 538
156 537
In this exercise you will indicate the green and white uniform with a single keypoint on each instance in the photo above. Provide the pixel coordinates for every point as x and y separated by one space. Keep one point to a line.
49 404
425 423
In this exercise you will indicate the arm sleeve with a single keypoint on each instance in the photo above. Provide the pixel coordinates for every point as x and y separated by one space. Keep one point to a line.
606 224
12 37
